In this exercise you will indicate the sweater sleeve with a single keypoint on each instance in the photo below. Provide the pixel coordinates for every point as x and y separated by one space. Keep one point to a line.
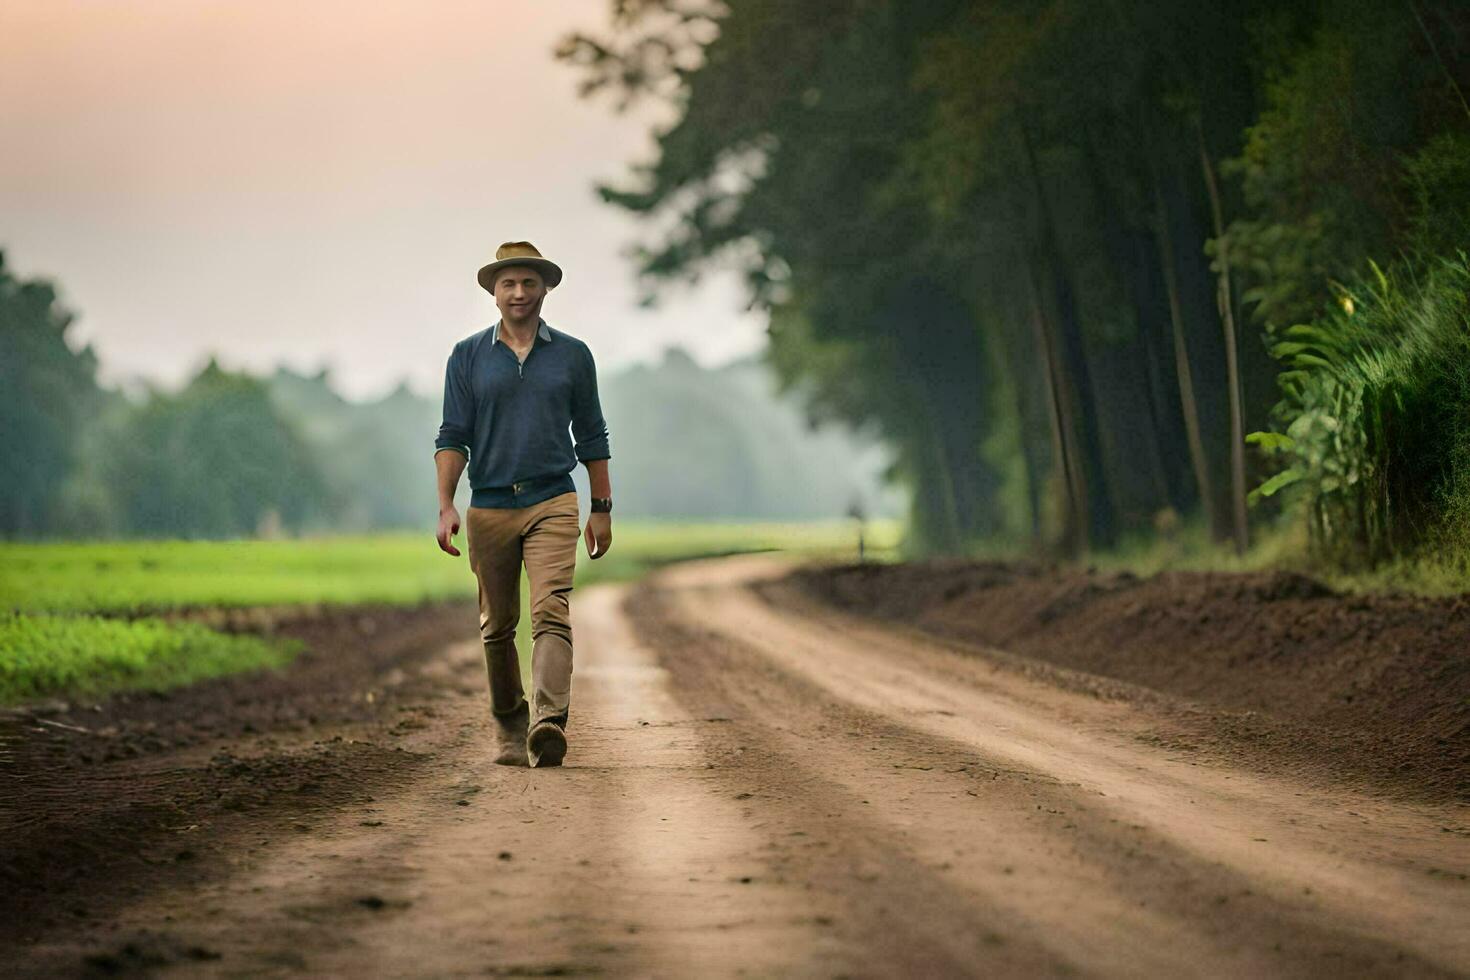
589 429
458 424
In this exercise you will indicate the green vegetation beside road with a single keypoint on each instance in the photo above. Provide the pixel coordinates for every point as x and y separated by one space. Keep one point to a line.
152 576
1286 548
56 637
133 577
1373 446
47 655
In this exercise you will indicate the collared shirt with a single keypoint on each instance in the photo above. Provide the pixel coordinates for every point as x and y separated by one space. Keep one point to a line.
510 418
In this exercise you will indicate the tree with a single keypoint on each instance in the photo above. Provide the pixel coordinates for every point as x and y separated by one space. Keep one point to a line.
48 391
794 117
1073 206
215 460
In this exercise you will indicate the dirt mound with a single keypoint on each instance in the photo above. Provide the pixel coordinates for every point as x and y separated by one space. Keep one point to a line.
1368 687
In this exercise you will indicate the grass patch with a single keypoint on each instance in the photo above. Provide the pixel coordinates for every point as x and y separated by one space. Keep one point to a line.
1190 548
1279 549
146 576
47 655
135 577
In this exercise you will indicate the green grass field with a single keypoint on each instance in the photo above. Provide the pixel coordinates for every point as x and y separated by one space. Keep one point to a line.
153 576
46 655
61 634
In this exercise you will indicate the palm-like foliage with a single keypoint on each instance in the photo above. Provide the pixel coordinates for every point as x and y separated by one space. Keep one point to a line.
1376 414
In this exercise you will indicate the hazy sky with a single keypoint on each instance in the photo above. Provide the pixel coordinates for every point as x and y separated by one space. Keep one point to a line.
316 183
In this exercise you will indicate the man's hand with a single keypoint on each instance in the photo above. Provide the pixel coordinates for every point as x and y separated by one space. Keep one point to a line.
598 534
448 528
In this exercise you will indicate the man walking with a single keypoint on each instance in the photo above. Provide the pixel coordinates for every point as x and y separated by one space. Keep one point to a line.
511 391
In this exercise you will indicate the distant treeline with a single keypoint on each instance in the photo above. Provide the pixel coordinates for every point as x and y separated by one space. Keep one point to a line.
235 455
1091 267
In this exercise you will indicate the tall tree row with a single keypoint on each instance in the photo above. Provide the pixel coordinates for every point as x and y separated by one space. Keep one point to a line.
1044 246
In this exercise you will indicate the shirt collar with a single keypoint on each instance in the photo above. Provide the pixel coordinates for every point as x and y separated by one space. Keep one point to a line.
542 331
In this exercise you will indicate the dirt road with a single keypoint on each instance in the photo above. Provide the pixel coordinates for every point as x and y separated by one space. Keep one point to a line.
758 785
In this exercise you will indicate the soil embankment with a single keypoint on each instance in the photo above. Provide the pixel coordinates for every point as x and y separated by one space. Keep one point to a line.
1369 688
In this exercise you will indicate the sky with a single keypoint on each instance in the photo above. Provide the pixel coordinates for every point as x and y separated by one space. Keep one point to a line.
315 183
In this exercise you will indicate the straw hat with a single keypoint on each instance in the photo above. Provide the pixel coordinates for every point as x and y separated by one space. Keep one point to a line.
519 253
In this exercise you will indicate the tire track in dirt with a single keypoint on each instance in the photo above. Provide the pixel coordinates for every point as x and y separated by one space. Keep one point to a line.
1117 857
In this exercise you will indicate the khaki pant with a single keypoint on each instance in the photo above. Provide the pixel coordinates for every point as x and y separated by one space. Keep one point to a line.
544 537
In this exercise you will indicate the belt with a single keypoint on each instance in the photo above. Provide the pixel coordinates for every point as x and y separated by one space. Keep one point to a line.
512 494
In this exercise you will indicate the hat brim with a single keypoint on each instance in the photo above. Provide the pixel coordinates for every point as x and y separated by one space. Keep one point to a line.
550 271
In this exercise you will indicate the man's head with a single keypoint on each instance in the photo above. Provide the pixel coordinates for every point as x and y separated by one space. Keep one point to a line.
519 290
523 254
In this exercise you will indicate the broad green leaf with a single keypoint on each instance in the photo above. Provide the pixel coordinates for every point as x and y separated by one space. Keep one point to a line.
1312 359
1271 441
1269 488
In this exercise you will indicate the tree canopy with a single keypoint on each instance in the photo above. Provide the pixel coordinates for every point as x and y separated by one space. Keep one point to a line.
1045 247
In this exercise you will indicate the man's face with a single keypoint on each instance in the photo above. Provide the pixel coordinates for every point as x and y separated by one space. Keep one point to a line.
519 291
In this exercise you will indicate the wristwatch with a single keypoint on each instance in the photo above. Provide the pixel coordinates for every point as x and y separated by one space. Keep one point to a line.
602 505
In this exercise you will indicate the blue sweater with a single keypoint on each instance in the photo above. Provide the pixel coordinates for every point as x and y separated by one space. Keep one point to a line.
510 418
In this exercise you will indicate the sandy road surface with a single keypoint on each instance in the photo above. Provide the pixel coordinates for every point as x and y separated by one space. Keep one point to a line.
759 786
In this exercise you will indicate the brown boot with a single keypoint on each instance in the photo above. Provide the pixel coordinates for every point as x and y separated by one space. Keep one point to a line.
546 745
510 736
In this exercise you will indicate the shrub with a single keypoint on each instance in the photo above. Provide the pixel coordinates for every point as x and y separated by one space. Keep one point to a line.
1375 418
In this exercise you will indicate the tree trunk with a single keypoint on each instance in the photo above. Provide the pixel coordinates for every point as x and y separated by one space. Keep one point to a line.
1128 258
1063 432
1099 526
1232 361
1018 363
1197 458
953 533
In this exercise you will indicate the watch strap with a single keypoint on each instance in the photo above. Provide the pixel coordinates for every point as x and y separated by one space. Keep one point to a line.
601 505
